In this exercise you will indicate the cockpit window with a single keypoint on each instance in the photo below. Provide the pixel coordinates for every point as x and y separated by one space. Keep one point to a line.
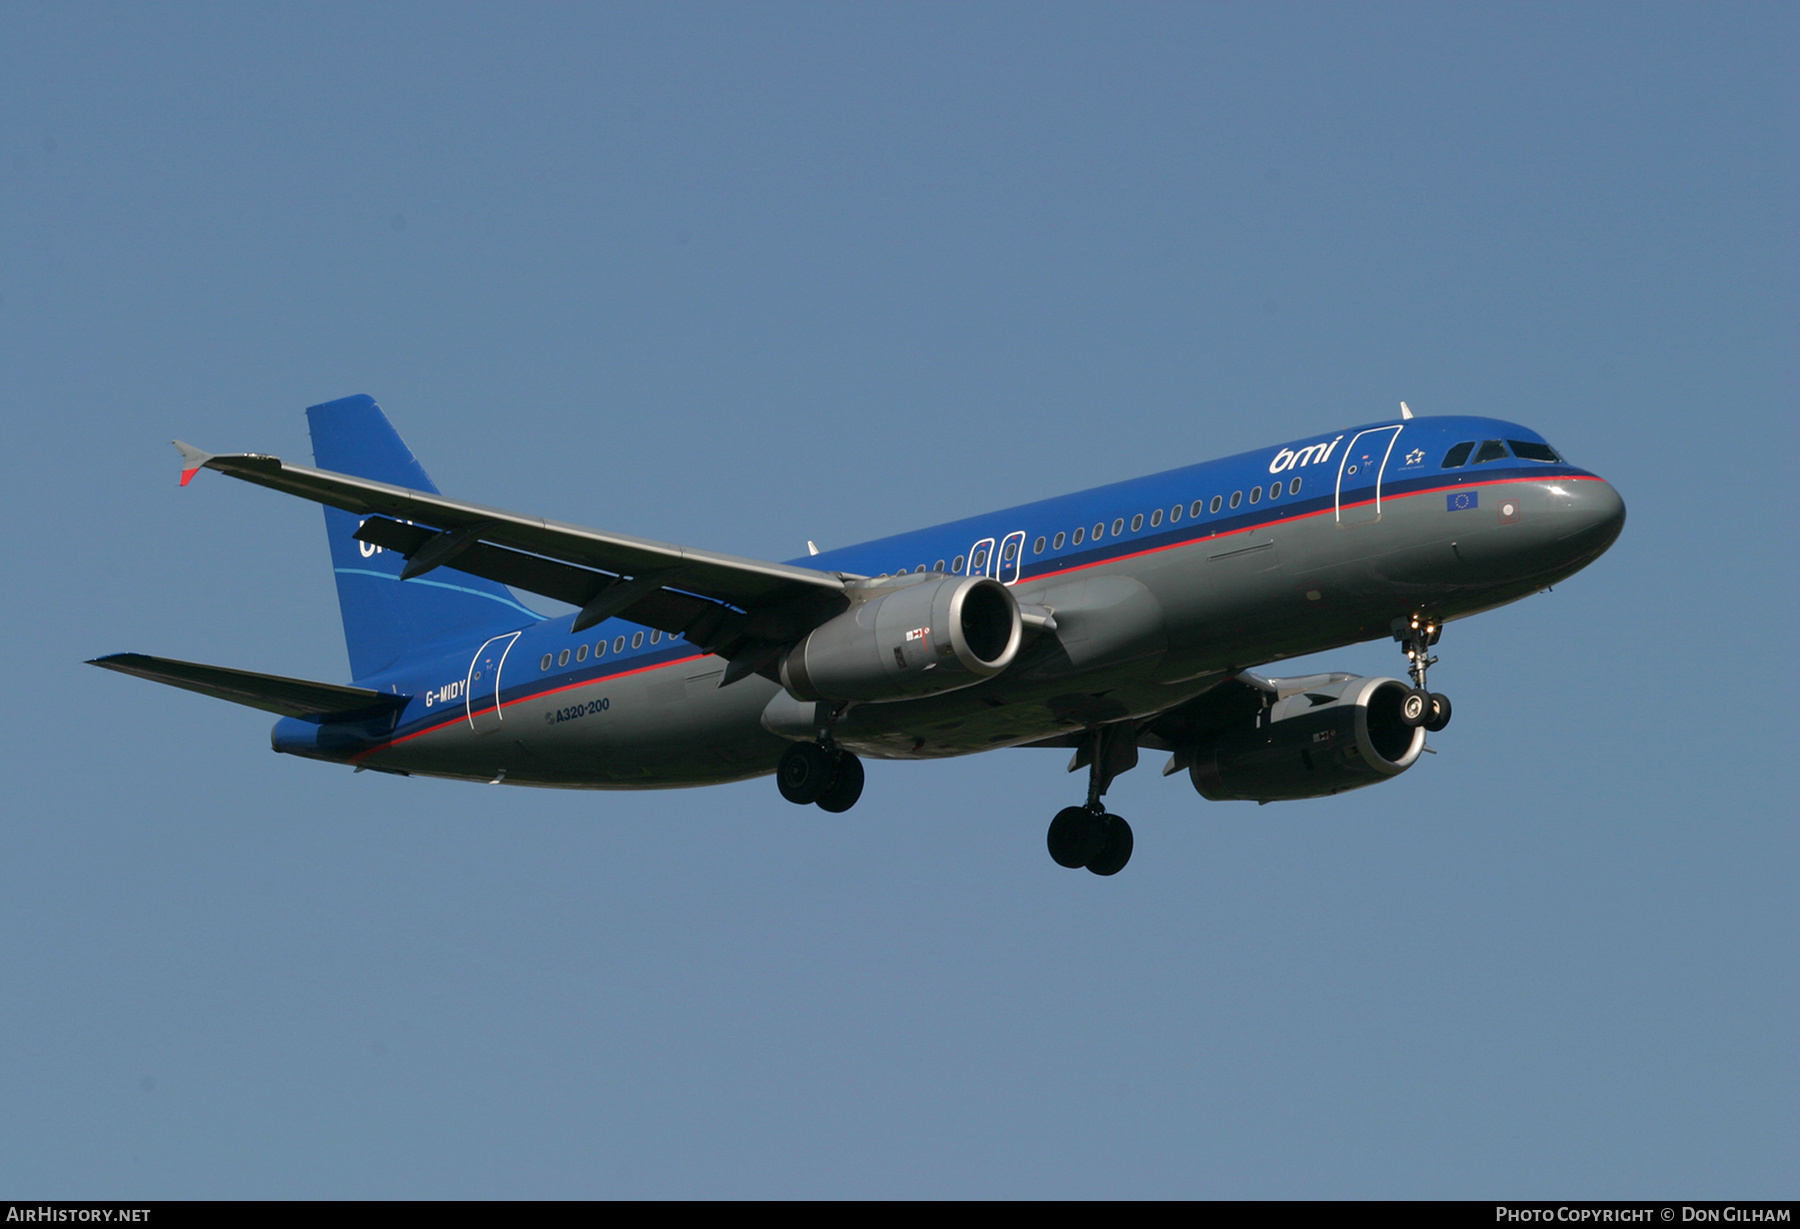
1458 455
1491 450
1533 452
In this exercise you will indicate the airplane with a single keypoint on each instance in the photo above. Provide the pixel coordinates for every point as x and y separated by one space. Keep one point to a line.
1130 616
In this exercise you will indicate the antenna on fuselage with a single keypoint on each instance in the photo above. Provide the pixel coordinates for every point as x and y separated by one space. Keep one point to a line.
1404 412
810 548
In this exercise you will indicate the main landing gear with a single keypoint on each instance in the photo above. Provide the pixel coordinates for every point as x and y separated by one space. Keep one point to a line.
822 773
1422 706
1087 835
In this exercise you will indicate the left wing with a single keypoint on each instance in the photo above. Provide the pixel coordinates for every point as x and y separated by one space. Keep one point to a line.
735 607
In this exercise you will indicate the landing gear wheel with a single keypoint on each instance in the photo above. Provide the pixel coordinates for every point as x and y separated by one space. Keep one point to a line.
1415 709
1440 712
1422 706
1117 851
804 772
1076 837
846 784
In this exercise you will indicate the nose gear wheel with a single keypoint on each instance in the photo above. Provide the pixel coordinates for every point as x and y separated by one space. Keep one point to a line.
1422 706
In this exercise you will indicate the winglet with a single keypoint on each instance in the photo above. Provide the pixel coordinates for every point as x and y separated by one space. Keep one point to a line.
192 460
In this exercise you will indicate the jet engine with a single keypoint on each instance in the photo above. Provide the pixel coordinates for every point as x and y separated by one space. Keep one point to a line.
902 640
1324 740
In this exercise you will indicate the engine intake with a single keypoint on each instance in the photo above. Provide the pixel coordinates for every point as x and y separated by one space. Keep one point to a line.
1320 741
903 640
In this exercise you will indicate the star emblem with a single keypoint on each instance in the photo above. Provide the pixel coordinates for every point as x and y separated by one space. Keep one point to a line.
1415 456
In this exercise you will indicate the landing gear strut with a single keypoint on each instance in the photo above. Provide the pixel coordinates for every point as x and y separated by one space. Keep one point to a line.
820 772
1422 706
1087 835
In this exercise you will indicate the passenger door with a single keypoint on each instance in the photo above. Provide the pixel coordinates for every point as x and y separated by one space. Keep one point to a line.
483 685
1359 475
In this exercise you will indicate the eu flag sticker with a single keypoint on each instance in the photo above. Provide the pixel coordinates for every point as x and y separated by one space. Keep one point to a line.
1462 501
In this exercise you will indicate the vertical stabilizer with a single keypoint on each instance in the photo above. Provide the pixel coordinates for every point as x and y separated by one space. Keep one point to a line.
384 617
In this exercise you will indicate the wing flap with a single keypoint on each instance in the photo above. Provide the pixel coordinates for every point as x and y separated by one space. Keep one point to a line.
272 693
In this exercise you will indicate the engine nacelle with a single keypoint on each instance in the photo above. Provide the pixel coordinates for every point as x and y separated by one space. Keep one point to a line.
903 640
1324 740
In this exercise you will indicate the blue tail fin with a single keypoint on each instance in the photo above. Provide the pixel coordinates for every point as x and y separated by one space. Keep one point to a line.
383 617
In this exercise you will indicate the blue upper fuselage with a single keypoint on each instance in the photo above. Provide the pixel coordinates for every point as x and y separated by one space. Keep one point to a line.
1020 544
1248 475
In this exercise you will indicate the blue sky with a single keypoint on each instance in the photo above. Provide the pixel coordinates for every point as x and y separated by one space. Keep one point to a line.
739 276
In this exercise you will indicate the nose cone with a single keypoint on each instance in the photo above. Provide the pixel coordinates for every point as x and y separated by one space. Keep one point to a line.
1594 515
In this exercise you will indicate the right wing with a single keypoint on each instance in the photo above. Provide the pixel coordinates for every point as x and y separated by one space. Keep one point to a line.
738 608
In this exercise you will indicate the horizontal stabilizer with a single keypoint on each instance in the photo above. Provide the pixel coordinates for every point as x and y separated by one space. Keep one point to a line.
272 693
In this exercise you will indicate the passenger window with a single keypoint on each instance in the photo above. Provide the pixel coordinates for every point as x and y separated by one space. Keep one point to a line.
1237 497
1118 527
1458 455
1137 522
1080 536
562 658
1491 450
1037 547
1156 518
581 652
600 650
1099 531
637 640
1294 487
957 565
938 566
1057 542
619 644
1200 503
1175 514
1009 554
1256 495
1217 503
1274 490
980 563
655 637
1533 452
545 664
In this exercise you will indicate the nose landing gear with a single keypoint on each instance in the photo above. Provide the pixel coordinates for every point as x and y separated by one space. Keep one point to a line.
1422 706
1088 835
